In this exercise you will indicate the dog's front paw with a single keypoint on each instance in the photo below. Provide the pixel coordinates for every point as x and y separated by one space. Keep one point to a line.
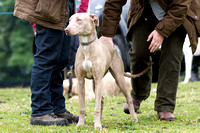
136 119
133 115
80 124
97 126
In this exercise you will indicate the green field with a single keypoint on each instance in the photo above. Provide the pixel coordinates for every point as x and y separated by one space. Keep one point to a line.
15 113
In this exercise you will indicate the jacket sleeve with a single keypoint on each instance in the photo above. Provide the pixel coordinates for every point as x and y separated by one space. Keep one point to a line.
111 17
83 6
175 15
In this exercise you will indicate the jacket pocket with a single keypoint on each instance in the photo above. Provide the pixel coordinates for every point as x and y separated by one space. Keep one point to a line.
195 18
49 10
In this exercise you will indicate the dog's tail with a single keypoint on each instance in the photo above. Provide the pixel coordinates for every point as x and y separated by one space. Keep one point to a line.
139 74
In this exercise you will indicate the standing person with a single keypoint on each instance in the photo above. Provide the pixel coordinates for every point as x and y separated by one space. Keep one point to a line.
52 52
151 24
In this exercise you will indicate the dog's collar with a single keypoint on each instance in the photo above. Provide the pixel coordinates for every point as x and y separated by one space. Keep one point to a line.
88 43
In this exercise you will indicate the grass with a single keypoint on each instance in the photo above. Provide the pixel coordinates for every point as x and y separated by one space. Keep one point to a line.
15 113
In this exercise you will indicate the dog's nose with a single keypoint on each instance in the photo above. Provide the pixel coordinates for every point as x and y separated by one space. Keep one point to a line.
67 30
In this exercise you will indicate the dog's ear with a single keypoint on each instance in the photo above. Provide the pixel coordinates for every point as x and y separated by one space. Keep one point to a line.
95 19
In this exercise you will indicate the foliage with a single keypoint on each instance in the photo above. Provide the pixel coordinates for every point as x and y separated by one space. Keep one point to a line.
15 113
16 38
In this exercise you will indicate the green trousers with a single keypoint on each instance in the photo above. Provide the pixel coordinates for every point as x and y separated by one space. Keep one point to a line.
170 62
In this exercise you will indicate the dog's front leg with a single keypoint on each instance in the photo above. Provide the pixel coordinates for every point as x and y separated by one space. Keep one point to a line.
81 94
98 96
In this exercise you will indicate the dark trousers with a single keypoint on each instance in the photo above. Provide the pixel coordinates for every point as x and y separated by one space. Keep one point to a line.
51 57
74 44
170 62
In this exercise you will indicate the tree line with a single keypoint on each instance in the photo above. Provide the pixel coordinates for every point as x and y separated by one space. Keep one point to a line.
16 40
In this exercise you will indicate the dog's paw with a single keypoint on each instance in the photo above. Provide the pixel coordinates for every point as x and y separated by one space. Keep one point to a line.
185 81
97 126
133 116
80 124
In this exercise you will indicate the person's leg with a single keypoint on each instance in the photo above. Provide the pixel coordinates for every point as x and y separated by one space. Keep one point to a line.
58 99
74 43
140 58
64 59
56 88
48 43
194 71
74 47
170 64
34 47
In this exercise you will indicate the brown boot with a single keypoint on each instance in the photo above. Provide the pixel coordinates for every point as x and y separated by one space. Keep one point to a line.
136 104
167 116
49 119
70 117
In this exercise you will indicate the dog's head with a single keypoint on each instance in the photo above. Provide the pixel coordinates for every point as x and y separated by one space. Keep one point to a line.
82 24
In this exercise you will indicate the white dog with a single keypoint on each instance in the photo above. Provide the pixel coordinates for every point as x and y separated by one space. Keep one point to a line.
188 58
93 60
109 87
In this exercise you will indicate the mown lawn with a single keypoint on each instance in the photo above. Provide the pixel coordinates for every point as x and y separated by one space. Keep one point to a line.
15 113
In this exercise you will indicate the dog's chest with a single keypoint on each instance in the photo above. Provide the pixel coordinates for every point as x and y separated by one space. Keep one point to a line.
87 63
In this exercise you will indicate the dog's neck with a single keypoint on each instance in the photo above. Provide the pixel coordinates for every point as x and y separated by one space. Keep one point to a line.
87 40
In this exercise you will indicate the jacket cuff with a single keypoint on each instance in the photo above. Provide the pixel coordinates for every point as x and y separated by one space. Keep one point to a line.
164 29
106 32
160 28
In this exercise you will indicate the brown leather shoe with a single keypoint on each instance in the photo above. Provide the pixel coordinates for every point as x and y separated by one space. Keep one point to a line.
136 104
165 115
49 119
70 117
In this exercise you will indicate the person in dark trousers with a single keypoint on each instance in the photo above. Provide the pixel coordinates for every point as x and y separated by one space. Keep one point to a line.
51 57
151 24
195 68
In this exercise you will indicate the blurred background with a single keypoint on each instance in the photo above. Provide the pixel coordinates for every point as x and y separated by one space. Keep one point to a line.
16 37
16 44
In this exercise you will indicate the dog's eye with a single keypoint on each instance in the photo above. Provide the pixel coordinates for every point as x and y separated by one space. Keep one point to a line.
78 19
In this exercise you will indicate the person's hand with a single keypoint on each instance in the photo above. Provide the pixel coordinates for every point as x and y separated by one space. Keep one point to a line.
34 33
108 39
156 40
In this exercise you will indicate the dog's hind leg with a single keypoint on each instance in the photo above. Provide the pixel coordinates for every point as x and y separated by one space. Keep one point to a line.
117 71
122 85
102 99
81 94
